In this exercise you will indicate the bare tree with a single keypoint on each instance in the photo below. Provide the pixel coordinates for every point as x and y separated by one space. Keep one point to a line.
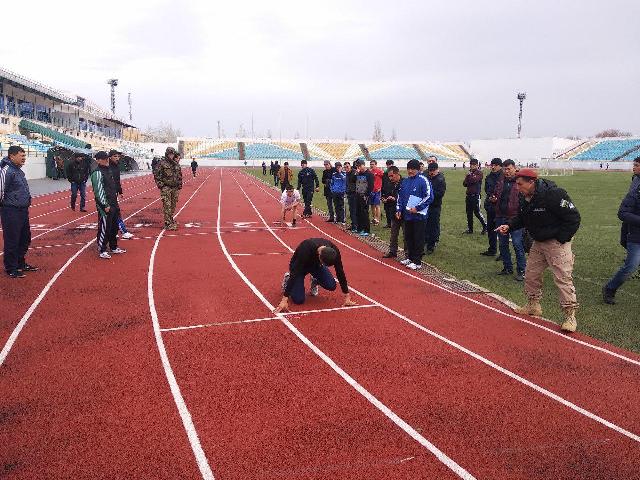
163 133
394 137
612 132
241 133
269 134
377 136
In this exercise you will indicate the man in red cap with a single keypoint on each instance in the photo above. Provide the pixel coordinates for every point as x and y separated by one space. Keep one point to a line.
551 218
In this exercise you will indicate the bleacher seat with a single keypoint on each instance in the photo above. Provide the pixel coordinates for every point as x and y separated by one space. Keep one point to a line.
608 150
393 152
257 151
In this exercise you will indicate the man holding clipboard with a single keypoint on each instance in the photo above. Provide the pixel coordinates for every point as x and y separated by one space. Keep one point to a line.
412 207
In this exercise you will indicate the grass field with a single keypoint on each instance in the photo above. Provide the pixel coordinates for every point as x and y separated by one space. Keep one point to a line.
596 246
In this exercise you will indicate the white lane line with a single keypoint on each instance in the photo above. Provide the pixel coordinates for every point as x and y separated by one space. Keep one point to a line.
187 422
472 300
254 320
480 358
413 433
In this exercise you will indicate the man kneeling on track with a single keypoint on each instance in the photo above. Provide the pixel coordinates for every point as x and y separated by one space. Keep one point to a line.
290 200
313 256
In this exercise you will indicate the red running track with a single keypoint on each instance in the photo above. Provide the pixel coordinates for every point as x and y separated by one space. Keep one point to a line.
88 396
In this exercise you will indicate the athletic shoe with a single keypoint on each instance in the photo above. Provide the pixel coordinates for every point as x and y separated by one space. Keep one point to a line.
330 220
105 255
83 209
73 207
608 296
390 255
118 250
354 230
16 274
363 234
505 271
484 231
285 280
488 253
429 251
127 235
498 258
520 276
406 261
414 266
313 291
28 268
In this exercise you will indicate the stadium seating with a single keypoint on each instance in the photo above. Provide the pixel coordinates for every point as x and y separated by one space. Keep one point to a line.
257 151
221 150
57 137
392 152
334 151
608 150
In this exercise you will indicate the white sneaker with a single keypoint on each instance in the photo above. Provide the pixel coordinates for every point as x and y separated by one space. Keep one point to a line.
127 236
413 266
119 250
313 291
406 261
105 255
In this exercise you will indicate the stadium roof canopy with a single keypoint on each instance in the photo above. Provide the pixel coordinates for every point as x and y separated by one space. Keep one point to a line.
34 87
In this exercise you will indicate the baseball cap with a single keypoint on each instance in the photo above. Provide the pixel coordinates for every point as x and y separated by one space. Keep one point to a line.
527 172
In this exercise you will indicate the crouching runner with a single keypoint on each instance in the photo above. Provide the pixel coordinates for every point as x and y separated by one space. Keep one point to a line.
312 257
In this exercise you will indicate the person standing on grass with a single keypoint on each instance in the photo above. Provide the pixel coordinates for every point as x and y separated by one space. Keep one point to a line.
15 200
439 186
338 187
473 182
490 206
629 213
376 194
364 187
313 257
106 194
395 179
385 193
327 173
276 171
290 201
285 176
169 181
194 167
114 166
78 174
414 198
264 168
307 184
551 218
351 196
507 203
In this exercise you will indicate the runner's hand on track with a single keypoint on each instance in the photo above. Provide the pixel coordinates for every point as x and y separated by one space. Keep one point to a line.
347 301
283 306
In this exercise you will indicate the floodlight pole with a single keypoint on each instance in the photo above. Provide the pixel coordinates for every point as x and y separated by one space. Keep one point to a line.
521 96
114 83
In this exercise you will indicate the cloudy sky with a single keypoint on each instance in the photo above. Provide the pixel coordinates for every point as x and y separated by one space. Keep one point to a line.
431 69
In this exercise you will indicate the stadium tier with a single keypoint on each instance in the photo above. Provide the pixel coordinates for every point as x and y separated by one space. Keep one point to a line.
392 152
276 151
609 150
57 137
334 151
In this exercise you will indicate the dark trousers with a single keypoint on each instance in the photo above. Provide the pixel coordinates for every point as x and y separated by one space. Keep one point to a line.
353 209
307 197
396 226
329 199
432 226
193 171
82 188
364 224
264 170
414 231
59 173
321 274
491 233
16 233
472 204
338 206
389 212
276 180
108 230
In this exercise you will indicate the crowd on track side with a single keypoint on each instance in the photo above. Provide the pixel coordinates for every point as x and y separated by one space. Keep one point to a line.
532 214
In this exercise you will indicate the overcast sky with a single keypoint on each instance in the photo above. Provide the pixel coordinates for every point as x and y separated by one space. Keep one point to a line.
433 70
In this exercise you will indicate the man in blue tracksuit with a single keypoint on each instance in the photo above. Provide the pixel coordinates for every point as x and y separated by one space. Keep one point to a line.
15 200
338 187
412 207
307 184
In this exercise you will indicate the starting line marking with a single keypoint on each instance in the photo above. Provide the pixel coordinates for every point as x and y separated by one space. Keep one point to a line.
255 320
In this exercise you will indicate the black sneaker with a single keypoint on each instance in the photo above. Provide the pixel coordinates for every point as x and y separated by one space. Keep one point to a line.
83 209
484 231
390 255
488 253
331 220
29 268
73 207
498 258
505 271
520 276
16 274
608 296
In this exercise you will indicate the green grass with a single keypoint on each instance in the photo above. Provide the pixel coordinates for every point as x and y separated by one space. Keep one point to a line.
596 246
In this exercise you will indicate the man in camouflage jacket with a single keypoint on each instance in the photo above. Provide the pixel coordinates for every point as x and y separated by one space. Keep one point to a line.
168 176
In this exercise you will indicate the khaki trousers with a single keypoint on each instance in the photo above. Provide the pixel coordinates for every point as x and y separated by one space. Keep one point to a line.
559 258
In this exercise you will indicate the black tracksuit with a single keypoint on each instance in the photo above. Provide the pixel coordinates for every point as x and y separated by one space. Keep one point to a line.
364 187
307 183
473 182
489 188
327 173
389 207
108 224
439 185
351 199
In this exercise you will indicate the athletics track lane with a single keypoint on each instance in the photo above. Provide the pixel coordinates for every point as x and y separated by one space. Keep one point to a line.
85 393
263 404
511 406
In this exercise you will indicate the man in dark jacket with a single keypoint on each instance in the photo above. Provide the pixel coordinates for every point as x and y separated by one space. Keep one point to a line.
351 195
629 213
387 188
307 184
439 186
507 204
552 220
364 187
114 166
105 192
473 182
327 173
194 167
312 257
489 206
15 200
395 180
78 174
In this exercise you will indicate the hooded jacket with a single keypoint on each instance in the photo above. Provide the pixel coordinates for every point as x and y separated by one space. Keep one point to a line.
14 189
629 213
439 185
550 214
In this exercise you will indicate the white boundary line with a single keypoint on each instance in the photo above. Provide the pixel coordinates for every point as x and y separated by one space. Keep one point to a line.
192 434
478 357
254 320
472 300
413 433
